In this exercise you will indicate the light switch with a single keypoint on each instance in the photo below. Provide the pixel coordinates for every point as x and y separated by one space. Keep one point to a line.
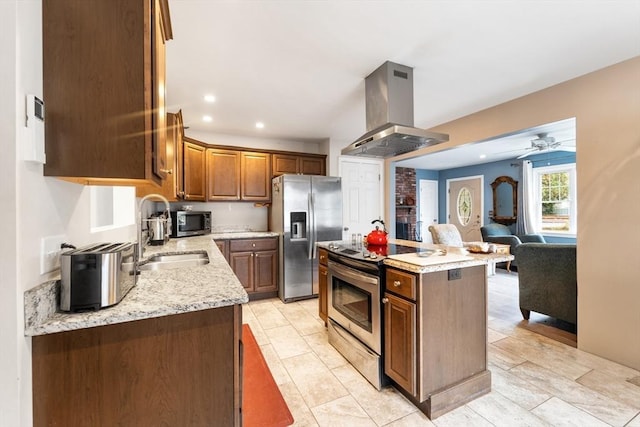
50 253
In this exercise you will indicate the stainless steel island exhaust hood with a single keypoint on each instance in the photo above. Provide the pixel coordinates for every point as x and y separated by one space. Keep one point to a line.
389 103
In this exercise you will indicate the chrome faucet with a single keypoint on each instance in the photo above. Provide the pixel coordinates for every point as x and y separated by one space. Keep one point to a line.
141 242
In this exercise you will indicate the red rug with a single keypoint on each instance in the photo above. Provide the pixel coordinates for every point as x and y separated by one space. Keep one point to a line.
262 402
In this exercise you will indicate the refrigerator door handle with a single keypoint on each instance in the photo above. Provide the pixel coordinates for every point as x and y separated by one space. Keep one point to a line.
311 226
315 226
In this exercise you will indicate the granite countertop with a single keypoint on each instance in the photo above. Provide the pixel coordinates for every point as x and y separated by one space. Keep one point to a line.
157 293
230 235
471 259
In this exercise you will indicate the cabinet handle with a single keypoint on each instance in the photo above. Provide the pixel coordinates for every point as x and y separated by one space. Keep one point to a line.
253 245
322 257
252 255
397 283
385 300
167 171
324 273
181 193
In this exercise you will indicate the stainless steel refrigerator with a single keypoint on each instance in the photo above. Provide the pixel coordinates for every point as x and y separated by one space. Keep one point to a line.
305 210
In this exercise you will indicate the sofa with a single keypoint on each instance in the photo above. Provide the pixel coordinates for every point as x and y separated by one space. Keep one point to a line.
547 280
499 233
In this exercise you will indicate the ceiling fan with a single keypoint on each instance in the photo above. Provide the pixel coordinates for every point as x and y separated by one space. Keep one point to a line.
543 143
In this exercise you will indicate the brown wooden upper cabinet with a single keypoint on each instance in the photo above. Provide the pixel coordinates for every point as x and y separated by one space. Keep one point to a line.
194 173
223 174
255 171
292 163
104 80
173 185
238 175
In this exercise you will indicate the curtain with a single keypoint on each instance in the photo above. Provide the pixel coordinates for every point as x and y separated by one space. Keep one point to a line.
525 223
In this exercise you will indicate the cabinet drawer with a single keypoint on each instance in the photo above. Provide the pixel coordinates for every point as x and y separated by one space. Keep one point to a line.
252 245
401 283
322 256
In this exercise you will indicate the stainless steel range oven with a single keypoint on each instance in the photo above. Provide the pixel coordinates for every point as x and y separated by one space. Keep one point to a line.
354 309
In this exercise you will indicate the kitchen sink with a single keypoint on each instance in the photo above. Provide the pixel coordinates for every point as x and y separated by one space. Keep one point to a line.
170 261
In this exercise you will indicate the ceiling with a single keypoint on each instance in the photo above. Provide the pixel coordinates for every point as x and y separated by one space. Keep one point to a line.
299 66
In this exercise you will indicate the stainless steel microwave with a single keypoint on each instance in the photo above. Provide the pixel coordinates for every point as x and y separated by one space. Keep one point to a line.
190 223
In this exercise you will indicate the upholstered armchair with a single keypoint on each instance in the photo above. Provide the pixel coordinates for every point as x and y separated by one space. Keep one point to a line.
445 234
547 280
499 233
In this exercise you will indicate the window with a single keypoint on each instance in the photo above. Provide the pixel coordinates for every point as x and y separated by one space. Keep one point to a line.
556 206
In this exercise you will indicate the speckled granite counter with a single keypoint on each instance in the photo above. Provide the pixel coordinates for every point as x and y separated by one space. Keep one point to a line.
157 293
474 258
243 235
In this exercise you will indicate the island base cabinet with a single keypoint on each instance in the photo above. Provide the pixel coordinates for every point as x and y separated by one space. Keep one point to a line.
436 336
183 369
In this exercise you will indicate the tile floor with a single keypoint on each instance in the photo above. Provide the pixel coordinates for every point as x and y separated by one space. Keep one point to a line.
536 381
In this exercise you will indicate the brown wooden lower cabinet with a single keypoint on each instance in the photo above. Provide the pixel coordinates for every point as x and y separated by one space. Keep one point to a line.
255 263
436 337
173 370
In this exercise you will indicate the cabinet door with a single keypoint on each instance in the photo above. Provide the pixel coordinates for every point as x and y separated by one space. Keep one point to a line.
265 271
194 172
312 165
284 163
223 174
103 83
171 186
242 265
322 293
256 176
160 162
400 342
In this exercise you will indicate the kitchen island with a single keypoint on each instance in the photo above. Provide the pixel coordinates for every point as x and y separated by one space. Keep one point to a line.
168 354
435 326
433 303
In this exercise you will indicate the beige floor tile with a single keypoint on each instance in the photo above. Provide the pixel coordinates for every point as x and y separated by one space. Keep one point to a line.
561 414
326 352
382 406
286 341
462 416
302 416
304 322
616 389
310 305
342 412
267 313
501 412
415 419
493 336
517 390
278 371
534 351
503 358
315 381
257 331
576 394
634 422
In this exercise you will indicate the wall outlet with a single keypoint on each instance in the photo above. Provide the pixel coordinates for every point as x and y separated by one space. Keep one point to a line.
455 274
50 252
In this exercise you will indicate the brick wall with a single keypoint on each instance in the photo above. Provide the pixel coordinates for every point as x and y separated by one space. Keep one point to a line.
406 200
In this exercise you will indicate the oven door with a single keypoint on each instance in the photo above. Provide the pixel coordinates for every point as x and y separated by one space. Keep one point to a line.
354 303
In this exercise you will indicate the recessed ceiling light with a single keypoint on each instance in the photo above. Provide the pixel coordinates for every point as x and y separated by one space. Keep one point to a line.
210 98
207 118
483 156
259 125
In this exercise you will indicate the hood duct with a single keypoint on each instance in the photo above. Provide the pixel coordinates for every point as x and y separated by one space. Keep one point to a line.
389 104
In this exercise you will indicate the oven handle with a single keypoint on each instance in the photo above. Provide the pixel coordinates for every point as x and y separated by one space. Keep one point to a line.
351 274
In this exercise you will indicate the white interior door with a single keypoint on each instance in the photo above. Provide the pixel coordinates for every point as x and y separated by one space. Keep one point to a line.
428 207
464 206
361 194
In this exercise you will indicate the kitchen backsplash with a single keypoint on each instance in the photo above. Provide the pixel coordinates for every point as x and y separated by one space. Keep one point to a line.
230 217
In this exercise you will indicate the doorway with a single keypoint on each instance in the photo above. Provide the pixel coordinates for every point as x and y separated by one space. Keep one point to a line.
465 206
361 194
428 214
